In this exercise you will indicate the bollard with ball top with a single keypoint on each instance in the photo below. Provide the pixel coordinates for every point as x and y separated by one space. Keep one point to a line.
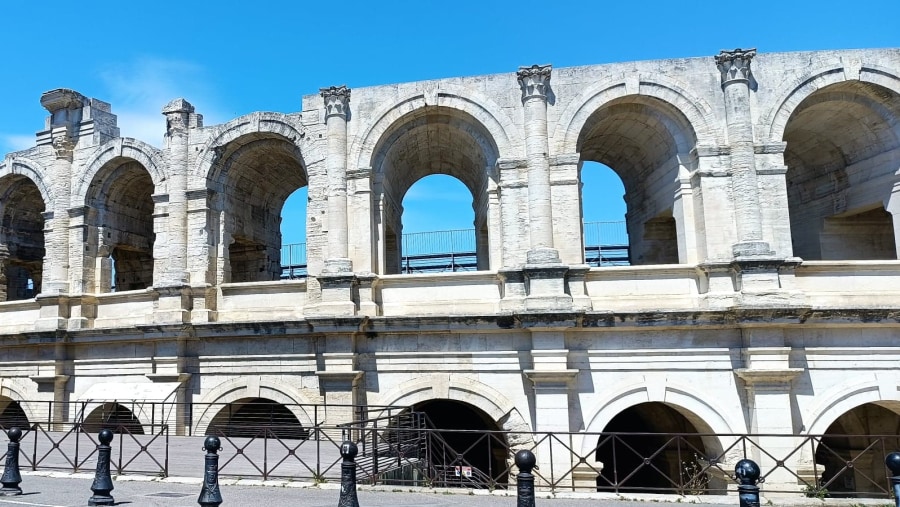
210 496
348 475
747 473
892 461
11 476
525 461
103 485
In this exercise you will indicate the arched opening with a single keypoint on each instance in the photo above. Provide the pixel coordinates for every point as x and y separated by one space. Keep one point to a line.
12 415
465 451
437 221
850 456
21 238
843 147
114 417
644 140
603 216
654 447
120 215
293 235
253 176
256 417
429 141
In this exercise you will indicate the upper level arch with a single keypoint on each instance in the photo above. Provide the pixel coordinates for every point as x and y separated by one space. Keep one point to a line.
485 112
22 215
427 141
649 143
698 125
252 166
31 170
231 136
842 152
118 152
792 93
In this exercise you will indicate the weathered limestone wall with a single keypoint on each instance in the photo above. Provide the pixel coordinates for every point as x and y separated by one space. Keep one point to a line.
761 297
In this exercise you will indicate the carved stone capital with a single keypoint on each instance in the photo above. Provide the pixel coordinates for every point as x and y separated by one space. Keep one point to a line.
535 81
177 113
62 98
337 100
64 146
735 65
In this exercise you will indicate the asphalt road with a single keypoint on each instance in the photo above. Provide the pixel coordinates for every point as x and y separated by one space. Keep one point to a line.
74 490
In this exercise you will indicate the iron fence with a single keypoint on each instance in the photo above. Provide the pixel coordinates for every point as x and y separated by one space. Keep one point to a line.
398 446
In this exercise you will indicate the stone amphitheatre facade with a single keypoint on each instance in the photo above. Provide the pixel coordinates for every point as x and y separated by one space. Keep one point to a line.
762 296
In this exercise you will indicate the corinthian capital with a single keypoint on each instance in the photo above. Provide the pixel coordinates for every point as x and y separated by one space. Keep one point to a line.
735 65
535 81
337 100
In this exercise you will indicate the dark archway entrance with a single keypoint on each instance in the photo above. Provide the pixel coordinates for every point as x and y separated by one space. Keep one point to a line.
655 448
112 416
254 417
465 439
850 456
11 414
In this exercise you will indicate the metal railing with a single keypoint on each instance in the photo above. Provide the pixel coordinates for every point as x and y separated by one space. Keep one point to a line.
293 261
402 447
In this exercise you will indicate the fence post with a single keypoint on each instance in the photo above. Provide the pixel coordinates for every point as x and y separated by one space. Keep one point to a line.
892 461
102 485
348 475
747 473
525 461
210 496
11 476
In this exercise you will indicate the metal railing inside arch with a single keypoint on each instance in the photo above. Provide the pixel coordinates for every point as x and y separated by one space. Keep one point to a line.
605 244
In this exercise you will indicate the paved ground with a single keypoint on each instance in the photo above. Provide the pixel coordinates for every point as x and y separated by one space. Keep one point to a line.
74 490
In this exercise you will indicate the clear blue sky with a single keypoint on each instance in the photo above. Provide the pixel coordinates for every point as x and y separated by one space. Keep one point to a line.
233 57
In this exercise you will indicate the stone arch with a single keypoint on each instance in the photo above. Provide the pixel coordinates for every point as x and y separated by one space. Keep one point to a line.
705 414
573 119
31 170
256 124
242 388
843 398
646 132
121 148
479 106
793 93
463 389
442 138
15 390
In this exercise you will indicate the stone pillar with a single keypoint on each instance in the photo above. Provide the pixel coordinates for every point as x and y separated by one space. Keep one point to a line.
685 220
736 76
171 276
767 379
360 225
566 194
337 372
535 84
4 264
337 101
552 380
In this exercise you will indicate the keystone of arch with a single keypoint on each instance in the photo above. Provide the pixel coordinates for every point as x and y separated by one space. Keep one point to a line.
453 97
574 117
242 388
149 157
32 170
281 125
793 93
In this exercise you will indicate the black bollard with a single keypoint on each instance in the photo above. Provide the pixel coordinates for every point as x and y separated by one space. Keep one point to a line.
11 476
892 461
210 496
348 475
525 461
103 485
747 472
